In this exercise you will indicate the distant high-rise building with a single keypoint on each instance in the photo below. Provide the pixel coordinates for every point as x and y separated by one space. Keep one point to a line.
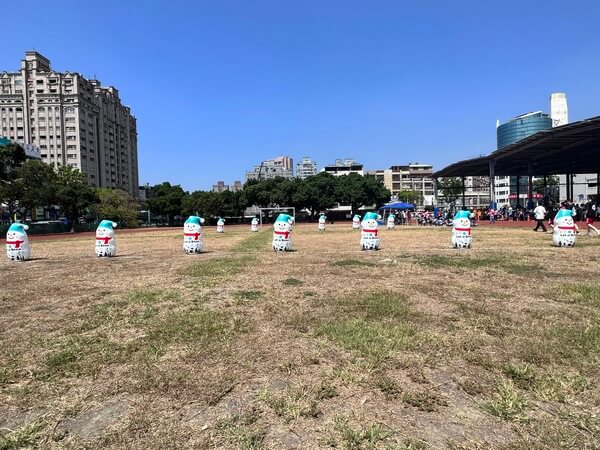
281 166
559 112
74 121
306 167
220 187
513 190
521 127
344 167
411 177
583 183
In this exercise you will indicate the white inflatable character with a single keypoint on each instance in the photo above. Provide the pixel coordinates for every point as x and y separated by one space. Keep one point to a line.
105 239
17 243
254 225
461 230
564 233
221 225
391 222
369 235
356 222
322 219
192 235
281 233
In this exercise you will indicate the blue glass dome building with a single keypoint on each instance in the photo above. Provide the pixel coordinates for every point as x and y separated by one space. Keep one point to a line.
515 188
521 127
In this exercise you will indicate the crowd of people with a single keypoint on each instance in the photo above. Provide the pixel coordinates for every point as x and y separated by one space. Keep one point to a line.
588 212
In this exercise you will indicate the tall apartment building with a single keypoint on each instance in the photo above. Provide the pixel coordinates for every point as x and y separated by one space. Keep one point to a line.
306 168
411 177
74 121
281 166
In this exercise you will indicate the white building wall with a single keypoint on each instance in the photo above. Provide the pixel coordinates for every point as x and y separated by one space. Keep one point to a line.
559 111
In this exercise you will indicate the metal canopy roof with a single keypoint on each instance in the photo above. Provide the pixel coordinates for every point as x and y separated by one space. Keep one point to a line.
572 148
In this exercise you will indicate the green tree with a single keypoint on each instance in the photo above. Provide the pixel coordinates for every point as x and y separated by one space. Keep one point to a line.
549 189
12 156
118 206
199 203
450 189
167 200
230 204
316 193
357 191
276 191
410 196
37 185
10 192
73 194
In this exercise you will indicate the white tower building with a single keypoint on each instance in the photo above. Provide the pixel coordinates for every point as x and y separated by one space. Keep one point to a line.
558 109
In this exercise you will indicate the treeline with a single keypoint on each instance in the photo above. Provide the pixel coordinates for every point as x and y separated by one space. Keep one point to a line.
28 185
315 194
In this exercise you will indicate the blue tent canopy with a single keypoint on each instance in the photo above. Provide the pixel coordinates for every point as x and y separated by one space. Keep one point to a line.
397 205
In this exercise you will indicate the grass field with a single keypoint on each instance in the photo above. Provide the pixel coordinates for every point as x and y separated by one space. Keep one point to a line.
415 346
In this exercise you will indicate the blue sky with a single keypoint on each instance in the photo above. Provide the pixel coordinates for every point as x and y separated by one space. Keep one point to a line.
219 85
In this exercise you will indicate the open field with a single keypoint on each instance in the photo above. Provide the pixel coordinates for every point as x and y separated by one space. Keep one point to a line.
415 346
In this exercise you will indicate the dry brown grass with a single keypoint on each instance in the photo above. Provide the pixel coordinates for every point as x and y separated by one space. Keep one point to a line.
415 346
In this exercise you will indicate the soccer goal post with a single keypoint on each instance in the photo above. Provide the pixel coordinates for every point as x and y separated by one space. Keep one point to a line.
277 209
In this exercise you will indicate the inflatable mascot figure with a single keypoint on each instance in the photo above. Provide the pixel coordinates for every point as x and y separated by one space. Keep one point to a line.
17 243
564 233
105 239
192 235
356 222
391 222
369 234
254 225
281 233
461 230
221 225
322 219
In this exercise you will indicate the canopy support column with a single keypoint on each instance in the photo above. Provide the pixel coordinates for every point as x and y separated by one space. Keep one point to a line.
518 191
435 192
462 180
571 186
597 188
492 182
530 185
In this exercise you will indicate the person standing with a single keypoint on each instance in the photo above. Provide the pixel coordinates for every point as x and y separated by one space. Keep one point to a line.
540 215
590 215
